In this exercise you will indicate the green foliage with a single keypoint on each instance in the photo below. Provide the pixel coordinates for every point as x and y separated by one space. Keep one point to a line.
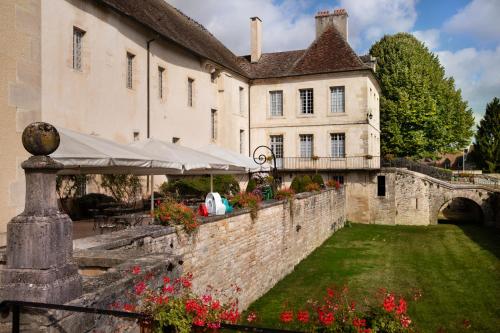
67 186
124 188
200 186
299 183
312 187
422 113
487 147
316 178
252 184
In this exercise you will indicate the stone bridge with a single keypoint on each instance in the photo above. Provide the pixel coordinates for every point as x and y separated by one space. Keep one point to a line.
413 198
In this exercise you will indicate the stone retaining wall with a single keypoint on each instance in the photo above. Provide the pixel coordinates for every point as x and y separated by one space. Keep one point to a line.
234 249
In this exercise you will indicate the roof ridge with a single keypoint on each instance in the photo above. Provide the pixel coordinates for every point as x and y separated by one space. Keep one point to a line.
316 41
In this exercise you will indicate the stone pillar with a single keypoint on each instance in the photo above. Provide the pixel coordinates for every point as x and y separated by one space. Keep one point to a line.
40 265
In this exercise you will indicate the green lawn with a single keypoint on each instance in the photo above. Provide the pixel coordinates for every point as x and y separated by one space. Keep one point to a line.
457 268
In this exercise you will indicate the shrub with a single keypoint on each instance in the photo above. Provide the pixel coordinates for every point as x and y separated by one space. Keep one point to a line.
172 213
285 194
124 188
296 184
247 200
252 184
318 180
200 186
306 180
312 187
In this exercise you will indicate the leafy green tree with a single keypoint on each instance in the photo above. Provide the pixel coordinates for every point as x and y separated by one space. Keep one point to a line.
422 113
487 147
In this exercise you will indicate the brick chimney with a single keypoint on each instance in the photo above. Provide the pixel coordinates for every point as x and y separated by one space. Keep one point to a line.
255 39
338 18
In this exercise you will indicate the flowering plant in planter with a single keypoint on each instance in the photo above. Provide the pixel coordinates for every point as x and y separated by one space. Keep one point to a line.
284 194
173 213
312 187
247 200
333 183
174 305
337 313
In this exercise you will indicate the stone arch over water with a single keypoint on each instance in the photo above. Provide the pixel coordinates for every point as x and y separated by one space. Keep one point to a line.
461 210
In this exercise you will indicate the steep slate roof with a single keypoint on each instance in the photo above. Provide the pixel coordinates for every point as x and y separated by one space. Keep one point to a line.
173 25
330 52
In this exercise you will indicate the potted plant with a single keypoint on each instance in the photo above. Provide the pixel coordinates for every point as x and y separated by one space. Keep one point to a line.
176 214
173 306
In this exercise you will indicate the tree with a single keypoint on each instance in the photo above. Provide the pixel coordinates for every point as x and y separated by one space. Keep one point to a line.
422 113
487 147
123 188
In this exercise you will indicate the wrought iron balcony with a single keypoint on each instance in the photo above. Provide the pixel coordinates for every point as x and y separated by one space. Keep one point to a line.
328 163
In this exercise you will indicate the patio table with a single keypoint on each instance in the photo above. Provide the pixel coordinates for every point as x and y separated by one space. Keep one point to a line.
129 220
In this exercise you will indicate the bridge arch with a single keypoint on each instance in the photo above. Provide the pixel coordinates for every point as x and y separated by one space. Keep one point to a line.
481 199
461 210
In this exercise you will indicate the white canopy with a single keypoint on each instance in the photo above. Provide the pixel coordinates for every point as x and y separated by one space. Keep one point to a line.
193 161
83 153
236 159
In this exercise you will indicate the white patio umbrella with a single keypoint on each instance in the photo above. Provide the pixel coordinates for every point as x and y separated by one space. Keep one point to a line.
236 159
194 162
83 153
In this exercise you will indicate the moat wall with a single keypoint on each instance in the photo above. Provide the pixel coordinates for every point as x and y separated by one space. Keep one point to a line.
253 254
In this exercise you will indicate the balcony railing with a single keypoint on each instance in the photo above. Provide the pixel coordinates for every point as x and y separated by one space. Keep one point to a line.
328 163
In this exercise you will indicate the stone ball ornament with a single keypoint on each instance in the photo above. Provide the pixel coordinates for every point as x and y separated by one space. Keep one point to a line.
40 138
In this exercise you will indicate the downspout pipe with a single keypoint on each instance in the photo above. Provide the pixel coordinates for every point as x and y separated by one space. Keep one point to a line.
148 111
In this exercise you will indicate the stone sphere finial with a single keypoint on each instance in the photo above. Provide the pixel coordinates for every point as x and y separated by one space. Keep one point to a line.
40 138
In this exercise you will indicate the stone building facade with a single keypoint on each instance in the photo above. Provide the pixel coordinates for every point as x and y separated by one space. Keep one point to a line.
128 70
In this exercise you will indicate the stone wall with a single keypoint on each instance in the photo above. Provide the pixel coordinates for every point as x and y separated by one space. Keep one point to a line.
234 249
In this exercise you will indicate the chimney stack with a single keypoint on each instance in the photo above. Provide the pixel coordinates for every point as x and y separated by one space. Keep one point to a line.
338 18
256 39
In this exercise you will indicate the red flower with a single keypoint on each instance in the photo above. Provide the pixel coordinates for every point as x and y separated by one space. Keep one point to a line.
168 289
389 303
326 318
128 307
231 316
136 270
286 316
401 308
166 280
139 288
198 321
358 323
303 316
352 307
330 292
215 305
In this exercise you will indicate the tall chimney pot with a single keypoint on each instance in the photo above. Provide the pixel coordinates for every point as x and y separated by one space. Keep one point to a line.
256 39
337 18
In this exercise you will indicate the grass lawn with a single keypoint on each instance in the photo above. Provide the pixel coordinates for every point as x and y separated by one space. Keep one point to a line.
457 268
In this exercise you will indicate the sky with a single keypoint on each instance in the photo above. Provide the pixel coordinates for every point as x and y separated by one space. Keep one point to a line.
464 34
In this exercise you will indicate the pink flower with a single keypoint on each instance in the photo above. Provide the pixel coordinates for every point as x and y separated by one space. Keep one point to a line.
251 317
405 321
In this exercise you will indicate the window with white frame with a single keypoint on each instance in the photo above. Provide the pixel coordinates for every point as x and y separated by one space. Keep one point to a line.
161 72
277 145
337 145
190 91
306 145
337 99
77 48
242 141
306 101
130 70
213 124
242 100
276 103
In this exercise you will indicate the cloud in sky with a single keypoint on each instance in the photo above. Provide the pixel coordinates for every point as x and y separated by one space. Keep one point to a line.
478 19
289 25
475 72
429 37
